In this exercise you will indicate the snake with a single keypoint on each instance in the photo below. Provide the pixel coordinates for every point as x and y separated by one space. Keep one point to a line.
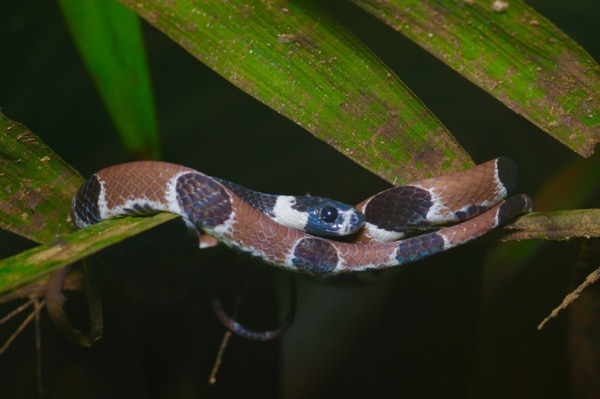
397 226
477 199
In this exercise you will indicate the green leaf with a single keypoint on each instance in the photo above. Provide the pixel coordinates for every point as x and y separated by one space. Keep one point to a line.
109 39
515 54
36 185
31 264
296 59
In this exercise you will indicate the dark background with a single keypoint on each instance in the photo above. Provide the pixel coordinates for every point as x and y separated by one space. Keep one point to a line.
426 333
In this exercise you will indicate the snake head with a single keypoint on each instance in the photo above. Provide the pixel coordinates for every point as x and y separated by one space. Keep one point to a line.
317 215
331 218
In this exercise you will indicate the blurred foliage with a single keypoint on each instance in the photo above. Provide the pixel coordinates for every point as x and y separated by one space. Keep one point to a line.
109 39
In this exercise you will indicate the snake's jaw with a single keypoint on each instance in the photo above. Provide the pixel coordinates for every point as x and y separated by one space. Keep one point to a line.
350 221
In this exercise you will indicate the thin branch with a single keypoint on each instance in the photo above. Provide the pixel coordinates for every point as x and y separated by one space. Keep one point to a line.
557 225
590 279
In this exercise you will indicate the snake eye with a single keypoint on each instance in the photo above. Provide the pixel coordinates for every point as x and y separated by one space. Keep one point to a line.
329 214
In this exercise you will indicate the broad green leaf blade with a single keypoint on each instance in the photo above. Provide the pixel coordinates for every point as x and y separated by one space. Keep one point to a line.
515 54
36 185
109 39
294 58
31 264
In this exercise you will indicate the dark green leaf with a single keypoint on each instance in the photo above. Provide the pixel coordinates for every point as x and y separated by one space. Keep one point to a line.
297 60
513 53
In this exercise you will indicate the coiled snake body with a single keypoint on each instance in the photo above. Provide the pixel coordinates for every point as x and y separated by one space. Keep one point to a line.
475 199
